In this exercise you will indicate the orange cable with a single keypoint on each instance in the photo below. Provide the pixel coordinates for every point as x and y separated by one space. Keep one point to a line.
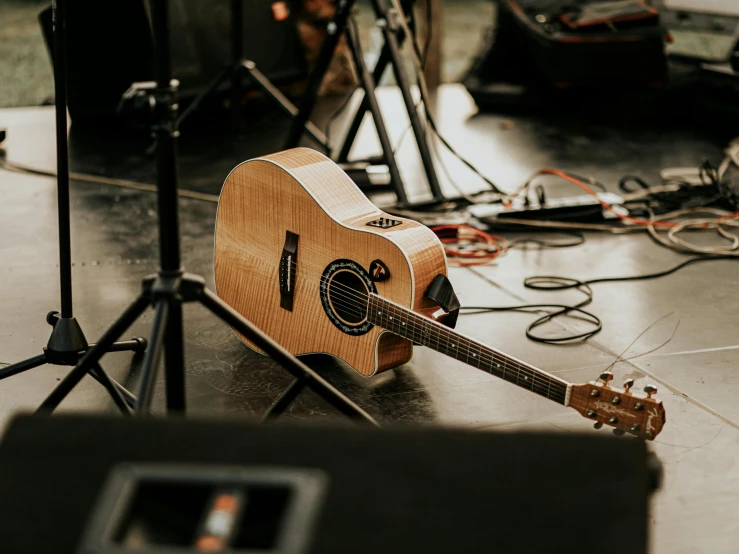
463 235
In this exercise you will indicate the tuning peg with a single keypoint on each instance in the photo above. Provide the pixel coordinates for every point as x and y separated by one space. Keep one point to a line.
628 384
650 390
606 376
619 432
597 425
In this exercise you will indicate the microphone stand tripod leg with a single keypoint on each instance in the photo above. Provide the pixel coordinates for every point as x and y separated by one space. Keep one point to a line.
93 355
150 366
20 367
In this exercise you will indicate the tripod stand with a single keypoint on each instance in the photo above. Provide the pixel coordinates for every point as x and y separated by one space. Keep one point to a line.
392 31
301 124
171 286
67 342
238 68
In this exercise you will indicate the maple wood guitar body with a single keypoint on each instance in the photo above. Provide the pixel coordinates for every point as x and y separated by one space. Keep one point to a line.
302 192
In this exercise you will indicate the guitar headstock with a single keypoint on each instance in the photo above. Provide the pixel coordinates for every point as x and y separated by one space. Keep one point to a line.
642 416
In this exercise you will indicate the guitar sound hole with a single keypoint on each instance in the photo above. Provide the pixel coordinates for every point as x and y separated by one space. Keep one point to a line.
347 295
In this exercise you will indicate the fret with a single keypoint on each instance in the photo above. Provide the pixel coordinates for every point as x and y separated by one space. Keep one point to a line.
427 332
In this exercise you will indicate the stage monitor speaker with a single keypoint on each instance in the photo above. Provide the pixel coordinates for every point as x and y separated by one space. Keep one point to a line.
391 491
110 46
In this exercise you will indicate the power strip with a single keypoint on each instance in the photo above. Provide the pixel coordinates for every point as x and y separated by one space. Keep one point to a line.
561 209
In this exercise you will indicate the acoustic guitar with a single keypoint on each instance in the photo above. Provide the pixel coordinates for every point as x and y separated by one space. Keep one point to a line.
302 253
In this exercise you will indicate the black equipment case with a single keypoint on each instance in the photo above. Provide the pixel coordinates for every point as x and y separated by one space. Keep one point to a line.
566 44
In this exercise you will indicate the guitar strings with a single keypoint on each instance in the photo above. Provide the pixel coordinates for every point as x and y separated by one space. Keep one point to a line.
352 297
537 380
543 382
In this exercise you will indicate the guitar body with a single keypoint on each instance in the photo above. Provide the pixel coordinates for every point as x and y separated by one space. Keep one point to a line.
297 241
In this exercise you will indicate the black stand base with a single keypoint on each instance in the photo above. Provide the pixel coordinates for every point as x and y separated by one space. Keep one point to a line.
67 345
166 292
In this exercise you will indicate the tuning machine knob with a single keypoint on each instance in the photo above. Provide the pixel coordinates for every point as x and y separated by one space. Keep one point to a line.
597 425
606 377
628 384
650 390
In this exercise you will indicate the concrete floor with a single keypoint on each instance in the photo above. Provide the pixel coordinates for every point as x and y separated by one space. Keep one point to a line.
115 244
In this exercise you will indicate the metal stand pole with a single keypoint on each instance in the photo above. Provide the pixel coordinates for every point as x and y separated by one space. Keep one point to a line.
67 342
351 134
370 100
390 31
62 158
171 286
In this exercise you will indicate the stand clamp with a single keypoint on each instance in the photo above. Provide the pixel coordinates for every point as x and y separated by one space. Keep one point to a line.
159 104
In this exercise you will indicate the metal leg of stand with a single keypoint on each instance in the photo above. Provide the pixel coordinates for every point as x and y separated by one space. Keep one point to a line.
351 134
212 86
20 367
174 360
297 368
153 356
135 345
98 373
92 356
285 399
115 389
326 54
283 101
127 395
370 98
391 40
62 155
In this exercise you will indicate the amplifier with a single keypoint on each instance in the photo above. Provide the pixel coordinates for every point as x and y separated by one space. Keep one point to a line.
430 491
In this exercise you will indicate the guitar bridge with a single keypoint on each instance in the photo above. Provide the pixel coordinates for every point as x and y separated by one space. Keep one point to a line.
288 270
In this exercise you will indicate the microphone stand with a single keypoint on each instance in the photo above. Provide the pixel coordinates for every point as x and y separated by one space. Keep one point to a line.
67 342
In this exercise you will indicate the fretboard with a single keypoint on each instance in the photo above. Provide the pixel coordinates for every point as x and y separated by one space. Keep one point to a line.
427 332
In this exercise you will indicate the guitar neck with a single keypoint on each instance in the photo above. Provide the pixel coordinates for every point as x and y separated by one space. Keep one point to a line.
427 332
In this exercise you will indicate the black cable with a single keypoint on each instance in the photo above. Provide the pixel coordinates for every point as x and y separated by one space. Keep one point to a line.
427 41
552 283
579 239
432 123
